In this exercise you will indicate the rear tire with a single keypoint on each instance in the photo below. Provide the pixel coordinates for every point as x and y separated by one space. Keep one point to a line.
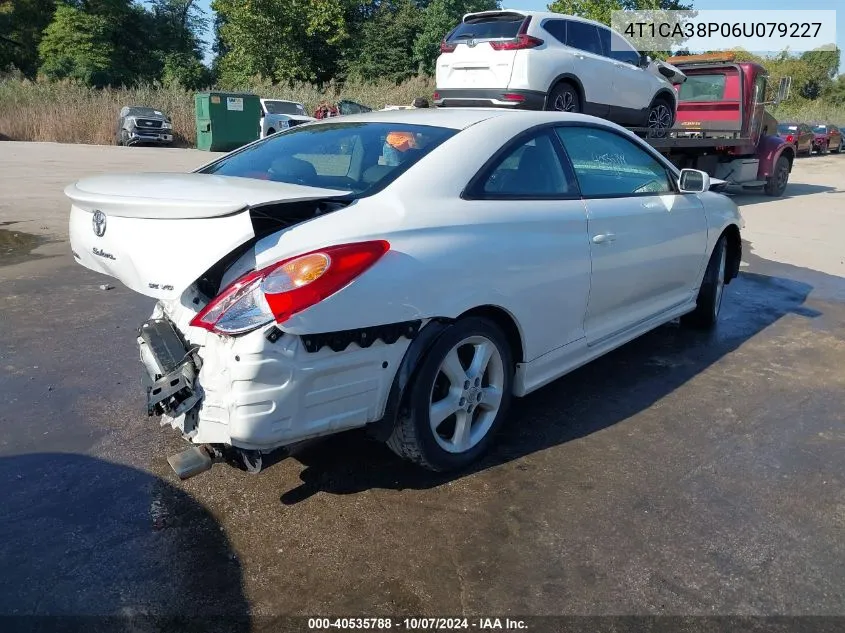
776 183
458 398
564 97
709 301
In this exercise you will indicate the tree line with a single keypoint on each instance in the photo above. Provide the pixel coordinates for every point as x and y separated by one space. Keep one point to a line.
125 42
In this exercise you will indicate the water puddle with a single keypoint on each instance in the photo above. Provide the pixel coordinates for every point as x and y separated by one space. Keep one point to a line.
16 246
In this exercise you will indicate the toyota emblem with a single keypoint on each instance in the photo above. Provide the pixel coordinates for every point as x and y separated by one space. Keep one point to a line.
99 223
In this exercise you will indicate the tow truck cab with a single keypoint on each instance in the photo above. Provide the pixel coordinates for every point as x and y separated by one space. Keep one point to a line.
722 126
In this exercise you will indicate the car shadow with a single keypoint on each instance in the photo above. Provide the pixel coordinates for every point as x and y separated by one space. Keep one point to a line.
600 394
793 190
86 544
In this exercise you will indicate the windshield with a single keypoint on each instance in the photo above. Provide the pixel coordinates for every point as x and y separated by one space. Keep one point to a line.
703 88
143 112
353 157
283 107
489 27
820 129
786 128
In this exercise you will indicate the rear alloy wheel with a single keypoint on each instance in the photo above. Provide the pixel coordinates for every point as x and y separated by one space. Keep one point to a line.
709 301
458 399
660 119
564 98
776 183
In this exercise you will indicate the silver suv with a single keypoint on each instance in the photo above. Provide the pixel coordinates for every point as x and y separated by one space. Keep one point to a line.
550 61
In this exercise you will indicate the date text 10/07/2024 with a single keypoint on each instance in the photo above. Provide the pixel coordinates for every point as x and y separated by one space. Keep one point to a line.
418 624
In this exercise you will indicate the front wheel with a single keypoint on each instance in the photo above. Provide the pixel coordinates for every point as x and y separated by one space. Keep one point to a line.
709 301
660 118
564 98
458 399
776 183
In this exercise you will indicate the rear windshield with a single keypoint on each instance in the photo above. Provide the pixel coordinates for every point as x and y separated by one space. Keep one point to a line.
284 107
355 157
501 26
703 88
820 129
786 128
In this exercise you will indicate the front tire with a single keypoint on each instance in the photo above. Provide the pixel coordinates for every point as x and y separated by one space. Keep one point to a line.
709 301
458 399
564 97
776 183
661 118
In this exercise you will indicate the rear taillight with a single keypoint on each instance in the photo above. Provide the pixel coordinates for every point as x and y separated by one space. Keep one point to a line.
520 42
446 47
512 96
279 291
790 138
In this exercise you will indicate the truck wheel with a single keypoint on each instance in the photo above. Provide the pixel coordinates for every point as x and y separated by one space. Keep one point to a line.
709 301
776 183
564 98
458 399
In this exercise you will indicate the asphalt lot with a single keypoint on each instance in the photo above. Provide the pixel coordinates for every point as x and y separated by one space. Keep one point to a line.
687 473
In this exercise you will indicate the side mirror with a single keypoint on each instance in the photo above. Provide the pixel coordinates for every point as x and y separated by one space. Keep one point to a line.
783 89
693 181
645 60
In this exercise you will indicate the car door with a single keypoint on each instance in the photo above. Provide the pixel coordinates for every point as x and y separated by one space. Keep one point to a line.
528 195
647 242
633 86
806 137
593 69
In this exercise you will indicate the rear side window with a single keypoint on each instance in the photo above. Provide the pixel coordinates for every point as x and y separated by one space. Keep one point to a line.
531 169
499 26
557 29
583 36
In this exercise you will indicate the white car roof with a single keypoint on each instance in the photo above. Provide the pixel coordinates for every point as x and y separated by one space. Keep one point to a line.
540 15
461 118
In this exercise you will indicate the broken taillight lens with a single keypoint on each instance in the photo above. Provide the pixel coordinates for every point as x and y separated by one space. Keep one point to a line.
279 291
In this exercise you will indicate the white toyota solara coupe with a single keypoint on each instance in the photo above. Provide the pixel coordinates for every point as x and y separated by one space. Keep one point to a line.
409 270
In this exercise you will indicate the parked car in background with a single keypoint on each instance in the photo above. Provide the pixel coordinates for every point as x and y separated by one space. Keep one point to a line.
311 288
278 114
140 125
799 135
826 138
550 61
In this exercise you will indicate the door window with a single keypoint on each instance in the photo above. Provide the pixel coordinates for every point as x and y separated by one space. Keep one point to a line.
532 169
608 165
583 36
557 29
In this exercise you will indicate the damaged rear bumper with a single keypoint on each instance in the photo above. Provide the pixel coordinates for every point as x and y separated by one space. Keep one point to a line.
172 368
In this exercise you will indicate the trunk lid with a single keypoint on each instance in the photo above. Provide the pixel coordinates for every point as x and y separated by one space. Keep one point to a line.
158 233
474 63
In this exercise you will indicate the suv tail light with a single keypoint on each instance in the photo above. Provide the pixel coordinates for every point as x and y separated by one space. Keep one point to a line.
446 47
790 138
279 291
520 42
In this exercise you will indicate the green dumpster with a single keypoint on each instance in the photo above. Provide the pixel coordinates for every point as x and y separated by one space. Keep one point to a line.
226 120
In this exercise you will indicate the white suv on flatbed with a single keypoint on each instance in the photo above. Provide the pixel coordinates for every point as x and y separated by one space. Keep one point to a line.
550 61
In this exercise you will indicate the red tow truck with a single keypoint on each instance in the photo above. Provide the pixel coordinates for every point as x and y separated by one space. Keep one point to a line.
722 126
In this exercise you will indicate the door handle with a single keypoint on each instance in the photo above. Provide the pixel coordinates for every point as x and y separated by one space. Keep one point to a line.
603 238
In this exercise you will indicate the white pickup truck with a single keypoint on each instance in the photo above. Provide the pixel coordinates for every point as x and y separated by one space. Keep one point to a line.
278 114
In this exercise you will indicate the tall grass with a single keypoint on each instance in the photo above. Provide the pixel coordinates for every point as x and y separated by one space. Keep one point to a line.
68 112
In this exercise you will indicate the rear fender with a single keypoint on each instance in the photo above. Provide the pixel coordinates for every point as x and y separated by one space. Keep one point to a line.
404 377
769 150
